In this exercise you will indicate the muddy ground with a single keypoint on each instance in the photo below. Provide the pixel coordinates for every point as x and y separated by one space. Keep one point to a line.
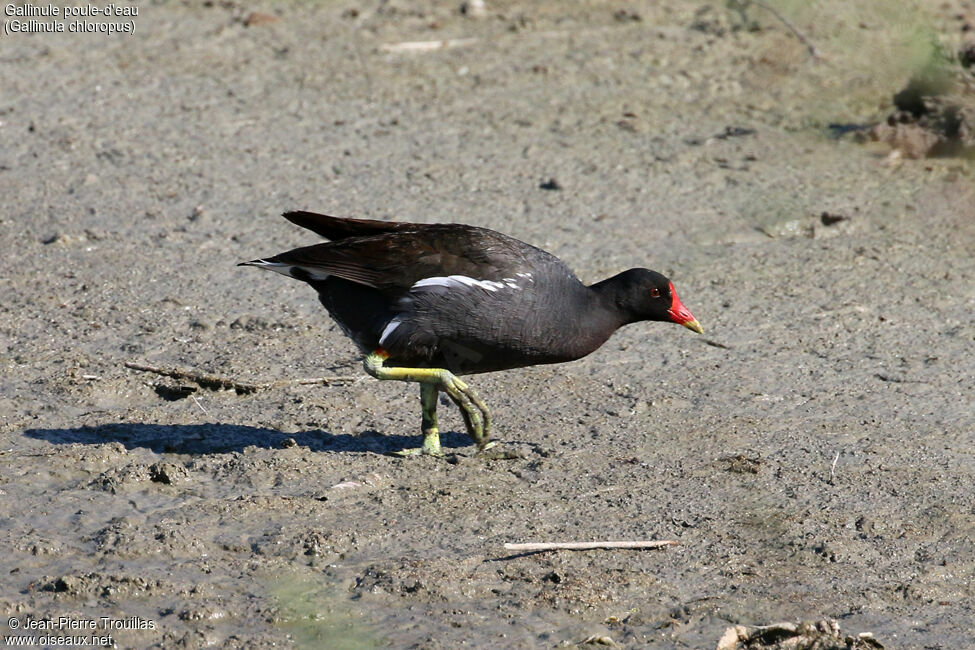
812 452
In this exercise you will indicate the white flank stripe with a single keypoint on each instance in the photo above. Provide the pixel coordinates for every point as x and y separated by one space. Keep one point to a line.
454 280
390 328
490 285
471 282
431 282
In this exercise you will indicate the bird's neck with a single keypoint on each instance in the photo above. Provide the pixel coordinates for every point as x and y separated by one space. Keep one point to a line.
593 319
608 302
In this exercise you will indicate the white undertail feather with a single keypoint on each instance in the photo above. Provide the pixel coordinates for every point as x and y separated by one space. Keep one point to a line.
390 328
285 269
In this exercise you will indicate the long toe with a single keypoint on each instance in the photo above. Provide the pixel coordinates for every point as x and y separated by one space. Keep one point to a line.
458 391
483 414
417 451
431 446
496 451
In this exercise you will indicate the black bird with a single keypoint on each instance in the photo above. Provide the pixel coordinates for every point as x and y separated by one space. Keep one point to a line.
427 303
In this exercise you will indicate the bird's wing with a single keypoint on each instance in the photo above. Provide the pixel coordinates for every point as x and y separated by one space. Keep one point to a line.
395 262
336 228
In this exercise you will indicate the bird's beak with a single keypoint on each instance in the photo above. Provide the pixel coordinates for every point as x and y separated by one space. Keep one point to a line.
694 325
681 315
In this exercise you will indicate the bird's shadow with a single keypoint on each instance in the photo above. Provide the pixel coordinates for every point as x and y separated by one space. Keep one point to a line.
217 438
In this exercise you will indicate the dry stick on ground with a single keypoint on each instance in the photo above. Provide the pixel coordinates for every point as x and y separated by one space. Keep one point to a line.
832 470
426 46
585 546
214 382
740 5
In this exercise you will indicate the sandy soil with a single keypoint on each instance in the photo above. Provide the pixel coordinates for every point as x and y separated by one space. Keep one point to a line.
812 453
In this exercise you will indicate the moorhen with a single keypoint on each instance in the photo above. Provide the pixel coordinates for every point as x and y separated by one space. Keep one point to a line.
427 303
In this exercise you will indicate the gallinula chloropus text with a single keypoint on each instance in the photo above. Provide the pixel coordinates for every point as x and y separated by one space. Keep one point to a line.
427 303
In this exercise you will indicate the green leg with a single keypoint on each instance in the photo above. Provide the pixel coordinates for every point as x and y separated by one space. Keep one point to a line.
476 416
431 435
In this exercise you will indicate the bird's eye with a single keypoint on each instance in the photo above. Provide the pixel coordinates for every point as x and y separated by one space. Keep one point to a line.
654 292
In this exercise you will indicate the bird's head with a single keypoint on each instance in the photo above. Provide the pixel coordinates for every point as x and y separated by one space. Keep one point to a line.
642 294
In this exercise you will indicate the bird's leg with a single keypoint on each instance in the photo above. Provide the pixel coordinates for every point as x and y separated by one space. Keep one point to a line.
476 416
431 434
428 423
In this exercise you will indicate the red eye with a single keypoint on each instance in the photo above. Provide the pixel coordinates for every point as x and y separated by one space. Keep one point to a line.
654 292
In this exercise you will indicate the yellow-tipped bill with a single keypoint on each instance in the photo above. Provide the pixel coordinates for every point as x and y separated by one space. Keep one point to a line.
694 326
680 314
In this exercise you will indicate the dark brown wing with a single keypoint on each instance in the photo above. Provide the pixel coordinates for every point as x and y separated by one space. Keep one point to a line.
395 261
335 228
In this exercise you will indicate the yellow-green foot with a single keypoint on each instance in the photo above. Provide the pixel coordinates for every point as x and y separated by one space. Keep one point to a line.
494 451
417 451
431 447
477 417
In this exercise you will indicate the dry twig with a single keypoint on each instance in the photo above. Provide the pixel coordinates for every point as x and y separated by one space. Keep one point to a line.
813 50
426 46
585 546
214 382
199 404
